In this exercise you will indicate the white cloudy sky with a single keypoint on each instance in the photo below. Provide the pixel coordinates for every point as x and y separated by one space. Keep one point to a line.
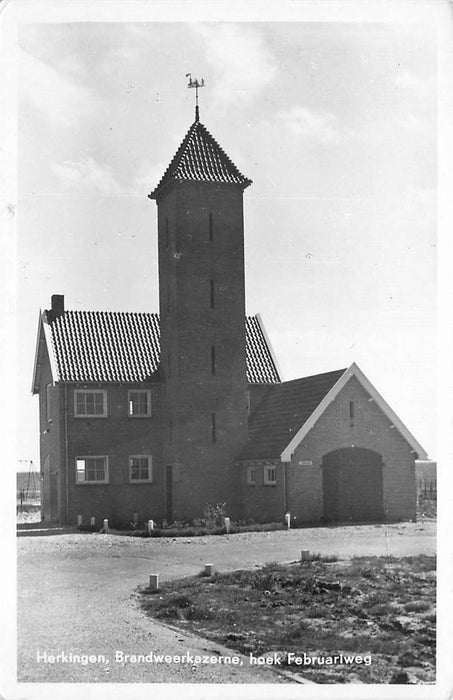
335 123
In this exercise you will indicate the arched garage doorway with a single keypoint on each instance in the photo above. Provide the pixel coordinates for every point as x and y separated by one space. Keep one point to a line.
352 485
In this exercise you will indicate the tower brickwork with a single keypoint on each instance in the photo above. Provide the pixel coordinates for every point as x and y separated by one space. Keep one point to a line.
202 316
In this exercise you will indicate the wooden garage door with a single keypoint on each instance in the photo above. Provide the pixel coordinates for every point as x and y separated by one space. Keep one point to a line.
352 485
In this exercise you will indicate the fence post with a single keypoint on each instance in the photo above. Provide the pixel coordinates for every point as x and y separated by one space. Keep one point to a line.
92 522
305 555
105 526
288 520
227 525
79 521
154 582
150 526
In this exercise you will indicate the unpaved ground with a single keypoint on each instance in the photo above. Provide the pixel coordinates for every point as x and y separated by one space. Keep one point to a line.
77 593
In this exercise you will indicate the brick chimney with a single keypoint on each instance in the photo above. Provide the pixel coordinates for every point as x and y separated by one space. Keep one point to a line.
57 309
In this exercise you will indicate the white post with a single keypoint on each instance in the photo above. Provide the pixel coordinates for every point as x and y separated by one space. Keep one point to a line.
150 526
154 582
92 522
209 569
135 518
305 555
105 526
288 520
227 525
79 521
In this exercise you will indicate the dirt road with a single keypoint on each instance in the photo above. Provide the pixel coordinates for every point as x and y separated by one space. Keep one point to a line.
77 594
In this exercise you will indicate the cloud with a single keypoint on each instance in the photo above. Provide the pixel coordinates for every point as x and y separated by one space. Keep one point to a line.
423 86
88 176
321 126
241 63
410 122
53 93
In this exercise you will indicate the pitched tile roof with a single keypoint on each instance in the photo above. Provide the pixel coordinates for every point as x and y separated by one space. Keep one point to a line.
282 413
97 346
200 158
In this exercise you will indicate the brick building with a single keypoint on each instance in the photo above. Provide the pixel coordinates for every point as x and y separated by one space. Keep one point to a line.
154 416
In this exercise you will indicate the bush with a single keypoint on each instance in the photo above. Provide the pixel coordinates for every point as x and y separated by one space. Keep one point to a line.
214 514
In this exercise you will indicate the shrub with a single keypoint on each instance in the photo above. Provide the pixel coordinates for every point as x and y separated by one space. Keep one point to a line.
214 514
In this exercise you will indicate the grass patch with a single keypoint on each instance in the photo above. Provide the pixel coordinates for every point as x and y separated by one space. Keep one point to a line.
376 606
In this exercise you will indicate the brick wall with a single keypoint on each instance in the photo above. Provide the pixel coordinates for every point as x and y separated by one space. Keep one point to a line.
118 437
370 429
202 306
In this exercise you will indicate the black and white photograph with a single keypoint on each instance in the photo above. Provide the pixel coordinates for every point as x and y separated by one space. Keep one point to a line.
226 346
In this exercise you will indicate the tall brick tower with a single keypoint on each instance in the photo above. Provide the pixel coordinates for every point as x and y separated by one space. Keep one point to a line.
202 320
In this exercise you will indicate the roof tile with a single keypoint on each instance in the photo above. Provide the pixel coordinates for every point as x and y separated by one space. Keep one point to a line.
284 410
100 346
200 158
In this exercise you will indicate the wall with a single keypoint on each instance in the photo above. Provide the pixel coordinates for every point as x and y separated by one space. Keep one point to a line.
188 260
370 429
263 503
117 437
52 482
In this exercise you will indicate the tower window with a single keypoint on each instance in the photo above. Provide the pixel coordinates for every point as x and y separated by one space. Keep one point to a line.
213 427
167 236
351 410
211 292
211 227
213 363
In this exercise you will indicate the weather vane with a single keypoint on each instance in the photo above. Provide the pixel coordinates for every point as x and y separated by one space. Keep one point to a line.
195 84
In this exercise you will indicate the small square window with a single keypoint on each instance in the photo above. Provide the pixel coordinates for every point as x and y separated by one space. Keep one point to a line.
251 476
90 404
92 470
139 403
140 468
270 476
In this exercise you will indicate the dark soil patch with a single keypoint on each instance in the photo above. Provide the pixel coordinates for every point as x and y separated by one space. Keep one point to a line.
377 611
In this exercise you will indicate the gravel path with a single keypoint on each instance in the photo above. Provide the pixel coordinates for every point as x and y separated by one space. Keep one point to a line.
78 593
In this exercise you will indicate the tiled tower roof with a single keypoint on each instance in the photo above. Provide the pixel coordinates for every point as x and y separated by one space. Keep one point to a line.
99 346
200 158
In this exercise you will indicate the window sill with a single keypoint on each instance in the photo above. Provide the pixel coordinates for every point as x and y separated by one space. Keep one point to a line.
140 481
140 417
92 483
89 416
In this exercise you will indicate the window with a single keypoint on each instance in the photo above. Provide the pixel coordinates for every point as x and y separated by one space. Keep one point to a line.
213 365
139 403
92 470
251 476
140 468
213 427
270 476
212 300
92 404
167 237
48 402
351 410
211 227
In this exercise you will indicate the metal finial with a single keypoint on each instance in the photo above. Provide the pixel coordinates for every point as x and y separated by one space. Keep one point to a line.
195 83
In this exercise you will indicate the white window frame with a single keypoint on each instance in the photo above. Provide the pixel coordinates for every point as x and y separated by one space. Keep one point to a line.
149 480
86 482
251 475
91 415
129 401
267 480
